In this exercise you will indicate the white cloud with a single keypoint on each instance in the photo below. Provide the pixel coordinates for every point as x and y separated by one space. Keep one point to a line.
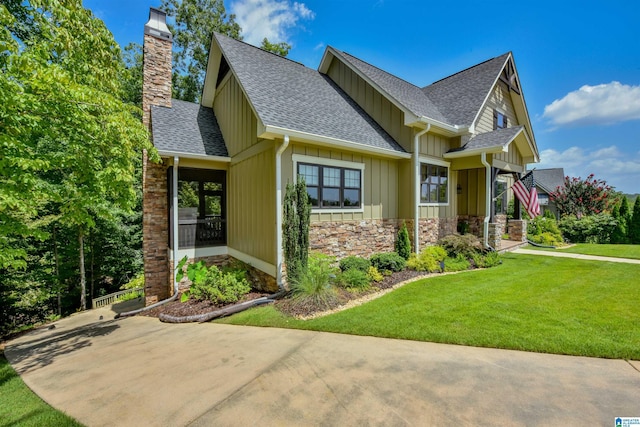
272 19
602 104
619 169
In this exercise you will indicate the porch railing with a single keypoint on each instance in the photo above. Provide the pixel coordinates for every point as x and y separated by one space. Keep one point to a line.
193 233
111 298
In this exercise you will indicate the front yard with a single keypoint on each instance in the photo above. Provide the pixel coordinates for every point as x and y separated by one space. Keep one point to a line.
540 304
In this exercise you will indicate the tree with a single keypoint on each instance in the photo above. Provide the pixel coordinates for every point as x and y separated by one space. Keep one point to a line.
281 48
583 197
403 244
68 141
634 224
131 75
295 229
195 23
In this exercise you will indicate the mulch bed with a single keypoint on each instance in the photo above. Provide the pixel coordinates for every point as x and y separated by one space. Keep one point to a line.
193 307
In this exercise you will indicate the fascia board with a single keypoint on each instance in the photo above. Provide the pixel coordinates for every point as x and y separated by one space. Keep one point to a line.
163 153
275 132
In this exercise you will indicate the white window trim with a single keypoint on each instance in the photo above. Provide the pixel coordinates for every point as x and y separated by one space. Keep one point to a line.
323 161
436 162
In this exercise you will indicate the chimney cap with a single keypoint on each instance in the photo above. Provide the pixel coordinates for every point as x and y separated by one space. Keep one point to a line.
157 25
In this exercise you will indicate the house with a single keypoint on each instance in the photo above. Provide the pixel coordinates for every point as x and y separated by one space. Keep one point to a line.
375 151
548 181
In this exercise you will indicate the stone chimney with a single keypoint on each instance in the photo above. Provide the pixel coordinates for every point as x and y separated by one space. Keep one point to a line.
156 69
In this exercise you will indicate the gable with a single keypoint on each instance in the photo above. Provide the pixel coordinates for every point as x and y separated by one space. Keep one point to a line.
500 100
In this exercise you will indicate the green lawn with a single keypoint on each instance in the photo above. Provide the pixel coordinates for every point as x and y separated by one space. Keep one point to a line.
617 251
532 303
20 406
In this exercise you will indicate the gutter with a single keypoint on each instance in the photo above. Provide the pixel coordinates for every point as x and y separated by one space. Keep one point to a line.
487 166
416 170
194 156
279 255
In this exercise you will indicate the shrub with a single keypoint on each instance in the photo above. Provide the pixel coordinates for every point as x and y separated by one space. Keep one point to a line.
295 228
588 229
219 287
374 275
136 282
547 239
486 260
388 261
544 230
352 262
355 279
403 244
456 244
428 260
459 263
314 286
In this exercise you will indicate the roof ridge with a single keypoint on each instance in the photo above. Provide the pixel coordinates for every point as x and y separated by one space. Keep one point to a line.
376 67
215 33
467 69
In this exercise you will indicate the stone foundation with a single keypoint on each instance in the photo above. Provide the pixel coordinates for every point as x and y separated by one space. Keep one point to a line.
518 230
476 224
367 237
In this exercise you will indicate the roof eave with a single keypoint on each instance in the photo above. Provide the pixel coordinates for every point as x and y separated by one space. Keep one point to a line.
421 122
276 131
476 152
167 153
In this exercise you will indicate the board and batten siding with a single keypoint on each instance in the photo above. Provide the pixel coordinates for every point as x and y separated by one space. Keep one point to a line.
472 201
385 113
433 146
500 99
251 206
237 121
380 181
512 157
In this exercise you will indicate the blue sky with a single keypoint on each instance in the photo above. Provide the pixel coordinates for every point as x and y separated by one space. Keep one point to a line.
578 61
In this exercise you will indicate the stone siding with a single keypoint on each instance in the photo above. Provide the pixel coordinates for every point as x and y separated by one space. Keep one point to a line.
156 75
366 237
155 229
518 230
496 230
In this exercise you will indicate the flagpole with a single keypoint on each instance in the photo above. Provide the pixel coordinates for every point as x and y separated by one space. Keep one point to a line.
496 198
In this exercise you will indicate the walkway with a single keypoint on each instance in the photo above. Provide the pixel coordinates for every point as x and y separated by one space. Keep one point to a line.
577 256
139 371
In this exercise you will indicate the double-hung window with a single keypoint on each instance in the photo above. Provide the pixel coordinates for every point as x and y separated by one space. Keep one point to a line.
434 184
332 187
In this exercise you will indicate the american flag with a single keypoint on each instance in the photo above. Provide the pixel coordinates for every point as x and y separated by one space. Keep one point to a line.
525 191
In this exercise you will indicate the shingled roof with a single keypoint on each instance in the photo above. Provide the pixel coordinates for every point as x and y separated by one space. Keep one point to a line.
459 97
496 140
549 179
288 95
407 94
187 128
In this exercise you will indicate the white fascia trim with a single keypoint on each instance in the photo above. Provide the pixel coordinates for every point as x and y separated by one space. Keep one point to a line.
333 142
193 253
301 158
476 152
263 266
434 161
456 129
194 156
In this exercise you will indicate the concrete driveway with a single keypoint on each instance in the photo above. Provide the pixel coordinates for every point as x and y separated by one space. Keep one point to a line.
141 372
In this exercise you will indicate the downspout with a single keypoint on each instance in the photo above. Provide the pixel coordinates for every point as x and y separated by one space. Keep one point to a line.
174 219
416 184
281 149
487 166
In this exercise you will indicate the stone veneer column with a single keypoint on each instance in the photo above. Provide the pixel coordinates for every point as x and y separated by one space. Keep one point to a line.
518 230
496 230
156 90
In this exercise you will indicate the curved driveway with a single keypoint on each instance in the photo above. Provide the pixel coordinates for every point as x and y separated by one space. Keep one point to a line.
139 371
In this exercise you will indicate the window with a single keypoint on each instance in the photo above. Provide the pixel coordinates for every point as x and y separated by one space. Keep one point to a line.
434 181
500 194
499 120
332 187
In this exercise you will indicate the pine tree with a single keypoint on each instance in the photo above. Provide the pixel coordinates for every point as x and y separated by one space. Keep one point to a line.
295 229
403 244
634 224
619 234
